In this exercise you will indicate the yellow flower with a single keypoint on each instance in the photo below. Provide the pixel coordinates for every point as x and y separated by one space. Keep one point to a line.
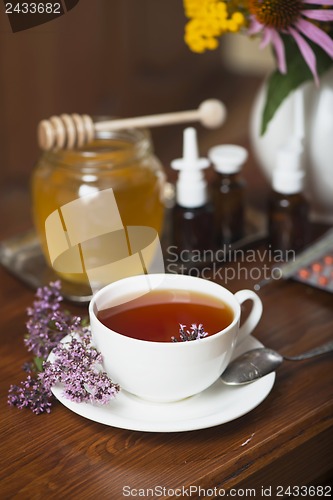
209 19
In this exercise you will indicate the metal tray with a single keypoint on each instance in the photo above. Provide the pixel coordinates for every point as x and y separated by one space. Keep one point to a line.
22 256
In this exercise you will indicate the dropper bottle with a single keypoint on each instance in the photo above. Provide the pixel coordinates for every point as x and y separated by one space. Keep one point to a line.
288 208
192 216
228 192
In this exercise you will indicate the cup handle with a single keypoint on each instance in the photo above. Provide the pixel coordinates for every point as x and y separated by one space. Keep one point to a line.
254 316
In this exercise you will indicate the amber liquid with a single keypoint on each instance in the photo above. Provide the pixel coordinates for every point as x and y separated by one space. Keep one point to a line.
156 315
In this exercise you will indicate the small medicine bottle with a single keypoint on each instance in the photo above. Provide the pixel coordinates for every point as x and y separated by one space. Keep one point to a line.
192 216
228 192
288 209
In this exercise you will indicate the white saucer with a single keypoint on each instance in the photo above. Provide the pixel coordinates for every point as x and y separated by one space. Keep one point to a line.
216 405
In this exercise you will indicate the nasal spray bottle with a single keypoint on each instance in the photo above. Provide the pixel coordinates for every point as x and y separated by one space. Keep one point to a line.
288 208
193 213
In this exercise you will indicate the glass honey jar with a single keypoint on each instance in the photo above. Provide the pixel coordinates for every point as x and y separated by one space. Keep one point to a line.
123 161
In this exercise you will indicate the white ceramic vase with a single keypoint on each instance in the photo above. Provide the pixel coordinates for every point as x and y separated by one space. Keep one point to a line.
306 114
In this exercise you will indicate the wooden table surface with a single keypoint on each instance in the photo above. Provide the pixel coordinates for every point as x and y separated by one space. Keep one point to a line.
285 441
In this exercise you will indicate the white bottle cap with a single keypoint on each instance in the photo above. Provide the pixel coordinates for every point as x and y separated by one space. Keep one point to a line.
191 187
228 158
288 175
290 157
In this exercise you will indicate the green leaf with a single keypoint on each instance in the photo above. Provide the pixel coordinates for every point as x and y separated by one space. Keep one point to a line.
38 363
279 86
85 321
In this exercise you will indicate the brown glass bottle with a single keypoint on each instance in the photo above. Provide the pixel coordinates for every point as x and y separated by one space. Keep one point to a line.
193 229
288 222
288 209
229 202
192 217
228 193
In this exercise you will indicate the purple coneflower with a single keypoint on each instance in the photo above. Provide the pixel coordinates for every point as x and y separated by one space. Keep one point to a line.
272 17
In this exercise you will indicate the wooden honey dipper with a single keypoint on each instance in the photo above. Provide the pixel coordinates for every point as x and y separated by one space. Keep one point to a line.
68 131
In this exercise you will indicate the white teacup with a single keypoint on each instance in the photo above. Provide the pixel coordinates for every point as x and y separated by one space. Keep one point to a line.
168 371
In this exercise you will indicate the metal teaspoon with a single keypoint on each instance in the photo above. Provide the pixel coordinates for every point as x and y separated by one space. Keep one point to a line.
257 363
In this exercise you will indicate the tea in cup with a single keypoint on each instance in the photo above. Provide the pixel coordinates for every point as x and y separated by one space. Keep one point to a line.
142 324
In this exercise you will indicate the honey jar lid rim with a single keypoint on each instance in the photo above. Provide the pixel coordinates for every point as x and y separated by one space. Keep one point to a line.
116 148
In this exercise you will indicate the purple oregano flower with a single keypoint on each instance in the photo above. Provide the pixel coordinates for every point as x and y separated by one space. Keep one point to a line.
76 364
47 323
196 332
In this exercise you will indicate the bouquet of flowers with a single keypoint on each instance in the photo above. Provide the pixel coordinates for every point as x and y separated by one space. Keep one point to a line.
299 32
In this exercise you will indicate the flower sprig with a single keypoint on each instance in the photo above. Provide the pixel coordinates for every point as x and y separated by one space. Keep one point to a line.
79 367
209 20
47 323
196 332
76 364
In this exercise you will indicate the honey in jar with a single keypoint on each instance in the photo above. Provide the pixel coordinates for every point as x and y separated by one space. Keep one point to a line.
123 161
